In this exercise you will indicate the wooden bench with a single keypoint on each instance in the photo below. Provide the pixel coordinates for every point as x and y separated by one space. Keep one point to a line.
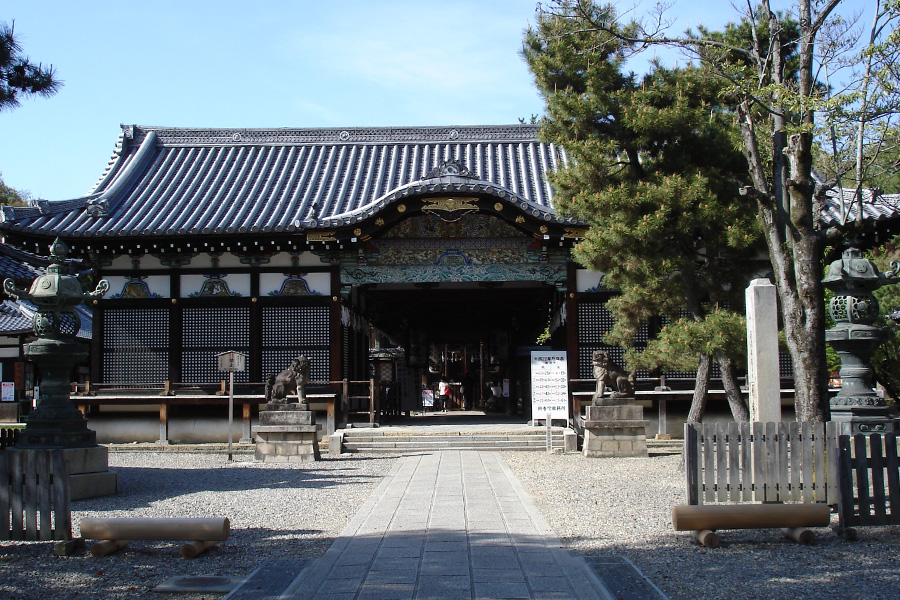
115 534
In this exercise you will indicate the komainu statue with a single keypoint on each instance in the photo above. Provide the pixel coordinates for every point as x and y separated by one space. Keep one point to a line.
292 380
612 376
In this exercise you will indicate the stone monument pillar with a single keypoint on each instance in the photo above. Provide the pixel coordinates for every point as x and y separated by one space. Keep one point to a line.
858 407
56 422
614 423
763 373
287 431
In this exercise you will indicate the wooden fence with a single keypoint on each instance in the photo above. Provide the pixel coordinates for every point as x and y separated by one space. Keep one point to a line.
761 462
870 480
34 496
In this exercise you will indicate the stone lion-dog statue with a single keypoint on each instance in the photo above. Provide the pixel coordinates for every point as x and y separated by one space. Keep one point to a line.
612 376
292 380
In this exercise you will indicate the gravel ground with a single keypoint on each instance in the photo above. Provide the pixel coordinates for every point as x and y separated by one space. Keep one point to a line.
623 506
275 510
596 506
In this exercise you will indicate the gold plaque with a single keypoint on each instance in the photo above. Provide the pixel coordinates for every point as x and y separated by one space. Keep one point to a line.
320 236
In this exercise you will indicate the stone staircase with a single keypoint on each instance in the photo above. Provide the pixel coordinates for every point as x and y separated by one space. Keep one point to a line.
372 440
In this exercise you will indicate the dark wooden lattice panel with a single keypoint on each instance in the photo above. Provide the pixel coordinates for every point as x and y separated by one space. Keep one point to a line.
594 321
135 329
226 328
206 332
135 345
785 365
276 360
202 366
296 326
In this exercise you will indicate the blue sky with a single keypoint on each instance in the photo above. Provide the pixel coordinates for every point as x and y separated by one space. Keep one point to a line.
265 63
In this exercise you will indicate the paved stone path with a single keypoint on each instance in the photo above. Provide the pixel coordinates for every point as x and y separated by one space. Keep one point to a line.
451 524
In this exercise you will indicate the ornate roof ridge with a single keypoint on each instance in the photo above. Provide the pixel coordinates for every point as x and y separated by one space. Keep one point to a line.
174 136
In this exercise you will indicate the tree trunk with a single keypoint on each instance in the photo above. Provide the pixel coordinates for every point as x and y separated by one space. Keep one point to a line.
739 409
701 390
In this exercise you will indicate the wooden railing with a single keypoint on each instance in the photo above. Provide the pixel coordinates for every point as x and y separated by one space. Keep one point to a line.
344 397
869 480
9 434
761 462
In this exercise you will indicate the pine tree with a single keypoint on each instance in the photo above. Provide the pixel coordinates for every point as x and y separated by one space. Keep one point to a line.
653 169
18 75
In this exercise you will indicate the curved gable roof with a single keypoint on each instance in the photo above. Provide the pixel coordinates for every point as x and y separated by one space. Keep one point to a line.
177 181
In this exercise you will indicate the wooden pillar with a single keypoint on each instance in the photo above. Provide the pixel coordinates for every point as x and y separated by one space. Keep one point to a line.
163 424
254 360
245 423
372 395
334 326
571 302
175 327
96 341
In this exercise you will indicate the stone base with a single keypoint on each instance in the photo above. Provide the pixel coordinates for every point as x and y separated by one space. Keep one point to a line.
866 419
287 435
89 474
615 430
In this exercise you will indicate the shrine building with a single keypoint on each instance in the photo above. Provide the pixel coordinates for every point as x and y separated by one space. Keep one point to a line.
396 254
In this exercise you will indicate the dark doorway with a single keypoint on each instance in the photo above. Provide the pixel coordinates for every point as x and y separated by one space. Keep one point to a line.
466 333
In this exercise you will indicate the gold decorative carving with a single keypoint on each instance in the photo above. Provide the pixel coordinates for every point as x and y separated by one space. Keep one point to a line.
498 207
544 229
379 222
520 219
320 236
357 232
449 204
401 208
575 232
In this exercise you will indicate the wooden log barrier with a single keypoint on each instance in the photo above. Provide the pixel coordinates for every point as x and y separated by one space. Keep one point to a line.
749 516
107 547
115 534
207 529
196 548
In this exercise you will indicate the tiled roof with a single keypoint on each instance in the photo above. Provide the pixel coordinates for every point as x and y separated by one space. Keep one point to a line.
18 264
13 318
875 207
174 181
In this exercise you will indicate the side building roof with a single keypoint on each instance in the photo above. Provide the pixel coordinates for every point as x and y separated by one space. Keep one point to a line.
176 181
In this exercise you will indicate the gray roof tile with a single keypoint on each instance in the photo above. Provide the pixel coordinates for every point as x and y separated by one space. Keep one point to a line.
174 181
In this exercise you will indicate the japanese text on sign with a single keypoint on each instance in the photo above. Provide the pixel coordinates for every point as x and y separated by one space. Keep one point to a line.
549 385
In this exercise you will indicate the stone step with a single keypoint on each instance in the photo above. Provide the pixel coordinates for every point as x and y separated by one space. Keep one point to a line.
407 446
446 438
385 449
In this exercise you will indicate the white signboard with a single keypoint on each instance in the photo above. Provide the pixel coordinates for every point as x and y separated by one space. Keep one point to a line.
9 391
549 385
427 397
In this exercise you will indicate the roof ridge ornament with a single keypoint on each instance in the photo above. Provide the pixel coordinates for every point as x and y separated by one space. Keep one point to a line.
450 168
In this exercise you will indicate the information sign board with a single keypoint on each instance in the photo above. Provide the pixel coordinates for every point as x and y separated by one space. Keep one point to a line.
8 391
549 385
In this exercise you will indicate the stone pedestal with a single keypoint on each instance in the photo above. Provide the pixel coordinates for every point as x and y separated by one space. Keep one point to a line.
286 433
615 430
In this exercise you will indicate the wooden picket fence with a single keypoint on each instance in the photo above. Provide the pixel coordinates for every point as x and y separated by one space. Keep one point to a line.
869 489
34 496
761 462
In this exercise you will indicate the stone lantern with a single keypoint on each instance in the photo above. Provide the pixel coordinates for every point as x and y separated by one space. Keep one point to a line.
853 279
56 422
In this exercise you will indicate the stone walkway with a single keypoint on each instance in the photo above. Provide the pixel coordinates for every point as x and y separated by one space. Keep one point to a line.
452 524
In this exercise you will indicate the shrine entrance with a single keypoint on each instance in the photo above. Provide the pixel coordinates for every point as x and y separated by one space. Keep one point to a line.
471 335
